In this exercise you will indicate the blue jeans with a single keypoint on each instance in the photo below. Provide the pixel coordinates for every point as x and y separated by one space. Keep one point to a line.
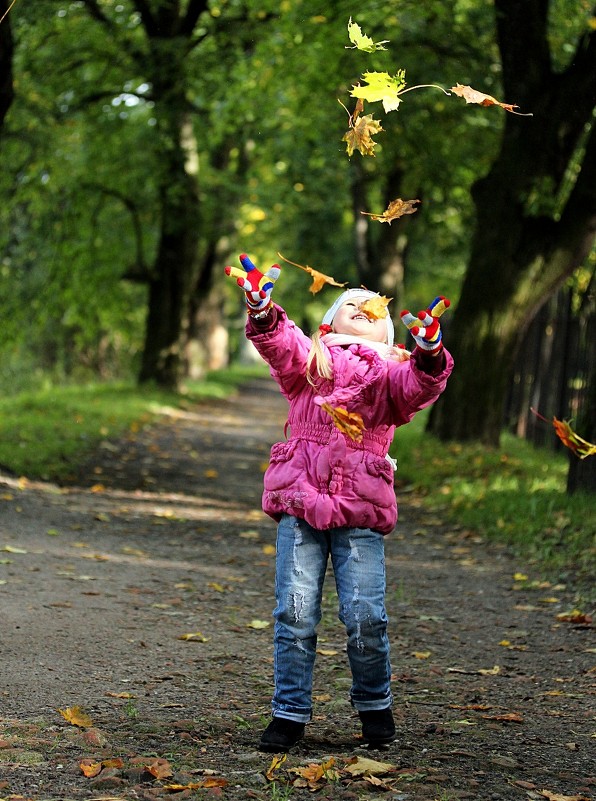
358 560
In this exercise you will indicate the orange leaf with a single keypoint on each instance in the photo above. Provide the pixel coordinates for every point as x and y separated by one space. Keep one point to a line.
397 208
318 279
575 443
575 616
160 768
474 96
350 423
76 716
90 768
569 438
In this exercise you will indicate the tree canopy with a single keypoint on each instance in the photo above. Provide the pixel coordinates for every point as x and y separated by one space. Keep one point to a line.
149 142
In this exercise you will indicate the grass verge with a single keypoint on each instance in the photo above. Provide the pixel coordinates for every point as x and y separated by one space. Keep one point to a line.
515 495
44 434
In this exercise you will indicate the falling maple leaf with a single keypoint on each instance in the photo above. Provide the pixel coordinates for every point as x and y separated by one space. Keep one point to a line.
474 96
580 447
350 423
382 87
318 279
76 716
362 42
397 208
375 308
359 135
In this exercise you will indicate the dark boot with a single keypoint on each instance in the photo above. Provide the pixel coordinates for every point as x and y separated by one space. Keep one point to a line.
378 728
280 735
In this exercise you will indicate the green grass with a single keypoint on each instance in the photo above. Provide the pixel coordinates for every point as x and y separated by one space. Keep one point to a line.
515 495
46 433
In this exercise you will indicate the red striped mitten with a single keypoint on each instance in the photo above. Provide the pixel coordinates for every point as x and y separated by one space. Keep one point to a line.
425 327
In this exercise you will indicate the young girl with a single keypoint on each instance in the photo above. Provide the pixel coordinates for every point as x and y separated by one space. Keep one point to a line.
331 490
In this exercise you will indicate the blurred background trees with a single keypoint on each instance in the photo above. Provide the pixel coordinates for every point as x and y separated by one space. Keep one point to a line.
150 141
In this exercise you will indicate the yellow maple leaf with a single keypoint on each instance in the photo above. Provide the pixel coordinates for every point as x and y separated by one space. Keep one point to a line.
76 716
375 308
277 760
350 423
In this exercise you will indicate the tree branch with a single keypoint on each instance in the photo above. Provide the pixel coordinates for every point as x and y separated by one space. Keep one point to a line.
193 12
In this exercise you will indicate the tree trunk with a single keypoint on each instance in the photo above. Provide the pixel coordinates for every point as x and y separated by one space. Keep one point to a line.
6 54
174 270
532 230
169 31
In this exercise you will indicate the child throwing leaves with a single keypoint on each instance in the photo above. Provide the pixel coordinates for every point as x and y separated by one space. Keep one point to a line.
329 485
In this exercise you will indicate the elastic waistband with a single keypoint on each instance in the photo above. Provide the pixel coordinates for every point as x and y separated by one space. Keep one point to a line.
322 435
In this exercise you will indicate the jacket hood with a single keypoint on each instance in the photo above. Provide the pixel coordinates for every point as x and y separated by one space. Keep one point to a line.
349 294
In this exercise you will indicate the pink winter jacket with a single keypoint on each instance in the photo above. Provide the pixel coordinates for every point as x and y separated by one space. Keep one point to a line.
319 474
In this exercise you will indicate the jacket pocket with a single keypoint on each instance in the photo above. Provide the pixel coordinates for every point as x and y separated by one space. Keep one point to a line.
375 481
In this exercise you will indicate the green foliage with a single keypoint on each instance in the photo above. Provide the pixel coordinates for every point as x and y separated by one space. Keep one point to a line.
515 494
45 434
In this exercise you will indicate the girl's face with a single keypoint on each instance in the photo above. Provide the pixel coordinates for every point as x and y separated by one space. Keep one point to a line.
350 320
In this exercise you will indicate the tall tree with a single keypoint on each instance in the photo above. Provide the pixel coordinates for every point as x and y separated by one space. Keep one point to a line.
169 37
535 212
6 56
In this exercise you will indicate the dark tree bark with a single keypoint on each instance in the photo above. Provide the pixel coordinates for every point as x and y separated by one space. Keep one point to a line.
535 218
380 258
6 55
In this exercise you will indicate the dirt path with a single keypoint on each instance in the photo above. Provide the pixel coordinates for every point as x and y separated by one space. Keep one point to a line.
163 537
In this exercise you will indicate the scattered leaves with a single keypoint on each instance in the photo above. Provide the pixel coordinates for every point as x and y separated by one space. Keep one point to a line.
362 42
258 624
479 98
349 423
277 760
159 768
194 636
397 208
508 717
318 279
574 616
76 716
360 766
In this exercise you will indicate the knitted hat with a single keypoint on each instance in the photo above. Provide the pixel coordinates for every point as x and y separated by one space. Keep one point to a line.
356 293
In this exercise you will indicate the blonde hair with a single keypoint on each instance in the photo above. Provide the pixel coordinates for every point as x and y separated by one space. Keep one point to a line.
317 356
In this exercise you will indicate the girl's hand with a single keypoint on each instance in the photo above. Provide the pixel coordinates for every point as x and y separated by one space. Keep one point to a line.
257 285
425 327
